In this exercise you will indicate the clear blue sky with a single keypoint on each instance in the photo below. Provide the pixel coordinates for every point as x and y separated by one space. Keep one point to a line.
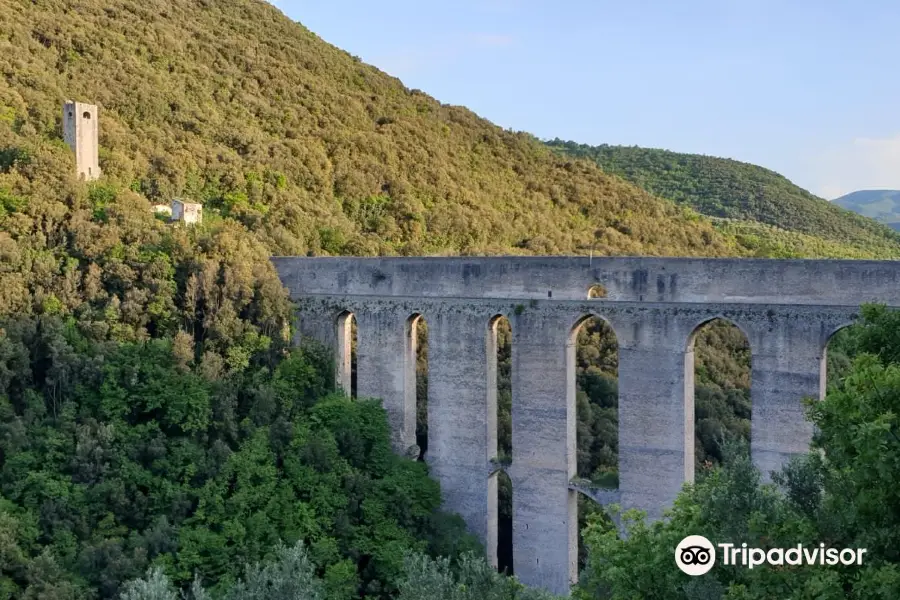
808 88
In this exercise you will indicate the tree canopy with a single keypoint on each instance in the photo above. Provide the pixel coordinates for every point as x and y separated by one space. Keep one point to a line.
114 458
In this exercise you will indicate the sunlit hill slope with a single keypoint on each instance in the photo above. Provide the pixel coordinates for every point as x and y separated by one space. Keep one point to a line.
746 200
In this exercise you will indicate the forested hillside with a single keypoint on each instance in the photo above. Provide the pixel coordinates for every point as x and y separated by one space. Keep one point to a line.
881 205
233 105
734 190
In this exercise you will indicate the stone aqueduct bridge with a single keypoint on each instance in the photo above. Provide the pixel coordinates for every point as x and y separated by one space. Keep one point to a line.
788 310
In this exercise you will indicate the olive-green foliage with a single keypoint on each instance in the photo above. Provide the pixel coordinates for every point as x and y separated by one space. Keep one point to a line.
842 494
154 586
234 105
421 385
722 405
471 579
768 241
597 403
113 457
734 190
291 576
838 355
504 389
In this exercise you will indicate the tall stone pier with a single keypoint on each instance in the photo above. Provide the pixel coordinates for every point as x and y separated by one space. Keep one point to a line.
788 310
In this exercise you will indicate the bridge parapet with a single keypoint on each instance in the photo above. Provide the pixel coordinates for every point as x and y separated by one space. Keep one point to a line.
639 279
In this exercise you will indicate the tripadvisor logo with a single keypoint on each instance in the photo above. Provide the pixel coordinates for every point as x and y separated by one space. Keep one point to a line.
696 555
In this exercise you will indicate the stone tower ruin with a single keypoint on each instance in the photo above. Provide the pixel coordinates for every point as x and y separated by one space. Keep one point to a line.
81 131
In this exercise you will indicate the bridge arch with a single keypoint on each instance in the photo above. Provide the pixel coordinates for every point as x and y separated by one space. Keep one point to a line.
592 356
834 360
698 326
597 291
416 376
722 407
498 347
345 368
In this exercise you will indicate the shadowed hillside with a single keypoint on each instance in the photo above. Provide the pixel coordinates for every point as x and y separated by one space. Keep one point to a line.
734 190
881 205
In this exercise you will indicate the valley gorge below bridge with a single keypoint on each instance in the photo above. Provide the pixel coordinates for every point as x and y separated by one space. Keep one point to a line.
787 309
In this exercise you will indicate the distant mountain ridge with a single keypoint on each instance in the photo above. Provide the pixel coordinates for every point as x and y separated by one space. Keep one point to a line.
881 205
745 199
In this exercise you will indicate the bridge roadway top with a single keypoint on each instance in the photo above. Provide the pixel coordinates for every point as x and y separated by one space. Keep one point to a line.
628 279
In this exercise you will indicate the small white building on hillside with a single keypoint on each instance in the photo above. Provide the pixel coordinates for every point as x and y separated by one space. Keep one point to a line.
187 212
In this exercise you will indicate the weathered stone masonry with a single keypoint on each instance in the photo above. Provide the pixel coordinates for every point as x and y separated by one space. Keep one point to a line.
788 310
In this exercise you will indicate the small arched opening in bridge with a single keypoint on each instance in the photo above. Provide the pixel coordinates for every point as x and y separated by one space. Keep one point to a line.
596 291
346 333
500 522
716 392
499 409
592 503
837 355
593 367
499 432
417 376
593 399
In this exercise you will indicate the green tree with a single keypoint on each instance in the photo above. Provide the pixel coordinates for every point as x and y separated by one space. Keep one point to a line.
114 458
472 579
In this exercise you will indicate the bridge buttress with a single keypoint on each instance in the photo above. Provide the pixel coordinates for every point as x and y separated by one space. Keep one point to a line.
316 322
656 420
459 441
545 517
382 370
786 367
